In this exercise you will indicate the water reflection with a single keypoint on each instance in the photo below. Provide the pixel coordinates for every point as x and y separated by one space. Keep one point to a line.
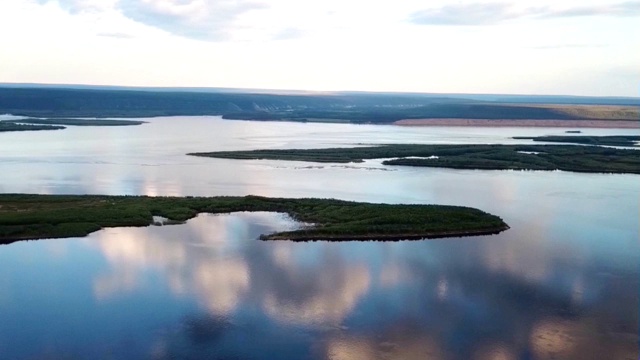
562 283
516 295
479 299
150 159
197 259
323 296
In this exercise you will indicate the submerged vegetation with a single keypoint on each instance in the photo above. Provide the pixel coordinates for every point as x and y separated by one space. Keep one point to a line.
607 140
56 216
489 157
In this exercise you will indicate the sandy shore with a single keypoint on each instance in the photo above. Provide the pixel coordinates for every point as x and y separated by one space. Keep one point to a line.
610 124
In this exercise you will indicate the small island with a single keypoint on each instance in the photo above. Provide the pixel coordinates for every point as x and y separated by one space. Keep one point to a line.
606 140
33 124
592 159
76 122
6 126
24 217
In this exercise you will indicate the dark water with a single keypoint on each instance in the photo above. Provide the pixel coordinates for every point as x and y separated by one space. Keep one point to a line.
562 283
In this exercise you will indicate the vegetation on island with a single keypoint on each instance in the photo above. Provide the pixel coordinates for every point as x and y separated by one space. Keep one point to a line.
6 126
486 157
30 124
607 140
75 122
25 217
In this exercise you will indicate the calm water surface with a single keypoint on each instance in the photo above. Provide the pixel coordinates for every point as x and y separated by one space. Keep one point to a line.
562 283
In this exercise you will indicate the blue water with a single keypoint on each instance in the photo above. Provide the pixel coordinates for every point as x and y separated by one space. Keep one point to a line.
562 283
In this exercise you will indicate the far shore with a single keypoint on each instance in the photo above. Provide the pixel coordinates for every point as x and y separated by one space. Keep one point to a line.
602 124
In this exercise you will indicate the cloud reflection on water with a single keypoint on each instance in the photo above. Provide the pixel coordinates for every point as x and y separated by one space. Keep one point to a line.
484 298
192 258
324 298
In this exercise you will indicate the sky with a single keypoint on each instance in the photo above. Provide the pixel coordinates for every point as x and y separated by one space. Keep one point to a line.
561 47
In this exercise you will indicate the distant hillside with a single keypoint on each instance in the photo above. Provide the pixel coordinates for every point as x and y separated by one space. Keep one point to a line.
51 102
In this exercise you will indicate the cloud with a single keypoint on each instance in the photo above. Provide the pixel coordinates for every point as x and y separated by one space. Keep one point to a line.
567 46
198 19
624 9
83 6
463 14
116 35
289 34
212 20
497 12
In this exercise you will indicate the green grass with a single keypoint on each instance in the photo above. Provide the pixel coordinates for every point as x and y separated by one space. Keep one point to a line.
55 216
75 122
608 140
6 126
592 159
56 124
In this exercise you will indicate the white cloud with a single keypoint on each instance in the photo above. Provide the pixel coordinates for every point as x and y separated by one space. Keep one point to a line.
496 12
116 35
325 45
244 20
199 19
621 9
464 14
83 6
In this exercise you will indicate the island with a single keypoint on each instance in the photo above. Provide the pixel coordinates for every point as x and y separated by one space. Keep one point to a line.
606 140
6 126
26 216
592 159
33 124
75 122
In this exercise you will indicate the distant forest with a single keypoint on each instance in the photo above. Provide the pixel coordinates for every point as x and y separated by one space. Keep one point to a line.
52 102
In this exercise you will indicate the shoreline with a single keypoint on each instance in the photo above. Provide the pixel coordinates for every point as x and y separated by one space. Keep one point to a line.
304 238
594 124
400 237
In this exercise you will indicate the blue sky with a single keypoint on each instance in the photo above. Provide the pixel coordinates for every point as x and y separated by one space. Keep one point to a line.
525 47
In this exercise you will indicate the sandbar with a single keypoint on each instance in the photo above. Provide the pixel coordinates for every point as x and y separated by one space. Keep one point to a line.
603 124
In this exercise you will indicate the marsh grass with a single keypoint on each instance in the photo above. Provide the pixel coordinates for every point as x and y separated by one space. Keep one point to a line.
55 216
593 159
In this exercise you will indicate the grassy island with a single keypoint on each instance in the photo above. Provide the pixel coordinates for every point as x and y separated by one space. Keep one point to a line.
59 124
25 217
6 126
608 140
591 159
71 122
76 122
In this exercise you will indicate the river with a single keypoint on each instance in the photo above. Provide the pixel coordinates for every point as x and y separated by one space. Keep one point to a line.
562 283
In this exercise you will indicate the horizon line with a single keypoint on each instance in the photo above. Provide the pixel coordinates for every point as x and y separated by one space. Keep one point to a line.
281 91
